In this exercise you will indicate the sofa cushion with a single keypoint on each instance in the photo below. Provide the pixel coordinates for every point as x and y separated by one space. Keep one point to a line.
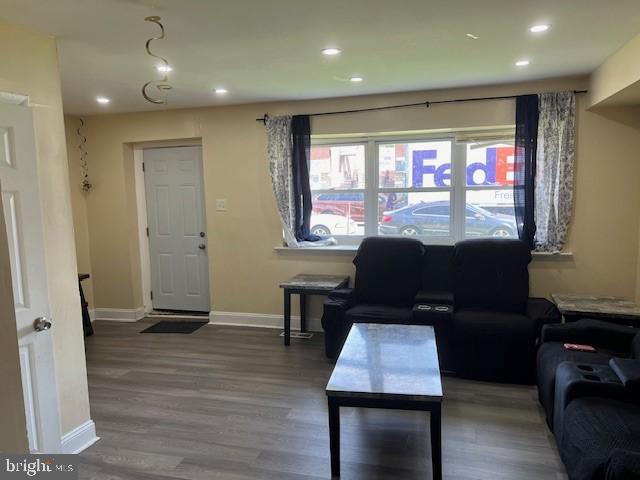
593 427
496 324
623 465
442 297
374 313
437 271
492 274
552 354
494 346
388 270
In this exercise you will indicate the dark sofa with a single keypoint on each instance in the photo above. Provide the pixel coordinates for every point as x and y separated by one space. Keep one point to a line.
592 399
493 328
610 341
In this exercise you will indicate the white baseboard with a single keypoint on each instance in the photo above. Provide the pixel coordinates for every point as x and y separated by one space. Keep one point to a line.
80 438
92 314
263 320
120 314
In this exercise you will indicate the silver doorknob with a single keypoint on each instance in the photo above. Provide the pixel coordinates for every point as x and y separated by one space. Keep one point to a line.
41 324
202 246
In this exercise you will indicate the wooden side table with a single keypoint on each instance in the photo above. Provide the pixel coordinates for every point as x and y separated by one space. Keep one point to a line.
303 285
611 309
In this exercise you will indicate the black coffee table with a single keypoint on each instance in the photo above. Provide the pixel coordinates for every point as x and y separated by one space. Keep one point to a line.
387 366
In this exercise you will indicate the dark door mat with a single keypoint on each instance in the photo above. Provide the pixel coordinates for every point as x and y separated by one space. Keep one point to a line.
166 326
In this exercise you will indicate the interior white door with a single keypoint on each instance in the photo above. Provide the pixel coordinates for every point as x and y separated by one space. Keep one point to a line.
23 218
177 228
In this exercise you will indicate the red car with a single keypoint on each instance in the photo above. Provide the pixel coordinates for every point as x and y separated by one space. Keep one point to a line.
349 205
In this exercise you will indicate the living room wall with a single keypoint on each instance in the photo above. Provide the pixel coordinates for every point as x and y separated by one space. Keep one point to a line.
245 269
30 67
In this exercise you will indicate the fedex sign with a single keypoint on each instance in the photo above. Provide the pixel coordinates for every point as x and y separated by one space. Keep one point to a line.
490 166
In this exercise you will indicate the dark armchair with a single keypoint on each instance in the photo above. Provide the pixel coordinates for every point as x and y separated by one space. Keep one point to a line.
495 324
388 277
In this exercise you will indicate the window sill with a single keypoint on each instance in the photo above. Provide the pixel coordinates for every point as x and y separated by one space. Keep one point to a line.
351 249
332 250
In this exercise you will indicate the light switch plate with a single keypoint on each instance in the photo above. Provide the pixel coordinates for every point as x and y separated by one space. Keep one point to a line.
221 204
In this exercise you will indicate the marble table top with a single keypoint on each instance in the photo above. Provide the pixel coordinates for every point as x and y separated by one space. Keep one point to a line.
306 281
614 307
388 362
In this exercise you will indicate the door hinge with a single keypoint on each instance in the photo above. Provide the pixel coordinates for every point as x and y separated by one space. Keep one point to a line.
147 231
151 294
143 169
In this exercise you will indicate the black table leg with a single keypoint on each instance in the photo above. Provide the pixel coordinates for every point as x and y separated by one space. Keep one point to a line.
287 317
303 312
436 442
334 436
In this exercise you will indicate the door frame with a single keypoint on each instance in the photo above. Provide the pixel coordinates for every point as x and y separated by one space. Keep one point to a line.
141 208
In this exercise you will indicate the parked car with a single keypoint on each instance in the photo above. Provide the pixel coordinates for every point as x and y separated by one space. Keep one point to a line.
433 219
347 204
325 224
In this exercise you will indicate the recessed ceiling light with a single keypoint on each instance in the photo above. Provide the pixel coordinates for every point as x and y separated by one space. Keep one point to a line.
331 51
472 36
102 100
221 91
522 63
164 68
539 28
356 79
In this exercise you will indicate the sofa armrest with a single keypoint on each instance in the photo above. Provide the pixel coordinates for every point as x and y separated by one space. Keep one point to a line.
588 331
542 312
336 327
628 371
575 380
623 465
347 294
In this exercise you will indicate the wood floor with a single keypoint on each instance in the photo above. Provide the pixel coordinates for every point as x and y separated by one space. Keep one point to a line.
234 403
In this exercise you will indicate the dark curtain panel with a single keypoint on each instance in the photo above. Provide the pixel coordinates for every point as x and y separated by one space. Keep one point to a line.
301 132
526 146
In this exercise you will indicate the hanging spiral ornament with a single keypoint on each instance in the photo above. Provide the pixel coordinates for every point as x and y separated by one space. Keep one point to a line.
84 166
161 86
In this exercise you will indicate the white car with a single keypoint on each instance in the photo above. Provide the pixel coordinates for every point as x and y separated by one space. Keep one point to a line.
325 224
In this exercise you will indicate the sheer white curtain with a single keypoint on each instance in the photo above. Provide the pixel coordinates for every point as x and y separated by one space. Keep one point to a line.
279 152
554 170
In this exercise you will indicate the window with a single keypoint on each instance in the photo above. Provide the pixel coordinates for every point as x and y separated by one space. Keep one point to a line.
437 189
337 179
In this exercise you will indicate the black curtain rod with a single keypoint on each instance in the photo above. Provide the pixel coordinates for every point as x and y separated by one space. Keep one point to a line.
427 104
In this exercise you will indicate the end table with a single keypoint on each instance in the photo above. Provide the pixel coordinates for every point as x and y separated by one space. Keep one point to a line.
303 285
611 309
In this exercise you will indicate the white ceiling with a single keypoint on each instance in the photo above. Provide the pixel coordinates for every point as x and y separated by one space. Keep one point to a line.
264 50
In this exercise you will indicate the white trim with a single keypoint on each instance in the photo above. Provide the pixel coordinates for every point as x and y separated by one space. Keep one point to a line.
338 250
143 240
80 438
92 314
176 315
263 320
120 314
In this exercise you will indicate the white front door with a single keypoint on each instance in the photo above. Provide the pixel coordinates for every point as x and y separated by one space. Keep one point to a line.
177 228
23 218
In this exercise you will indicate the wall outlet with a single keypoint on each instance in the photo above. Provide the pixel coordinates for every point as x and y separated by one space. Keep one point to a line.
221 204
